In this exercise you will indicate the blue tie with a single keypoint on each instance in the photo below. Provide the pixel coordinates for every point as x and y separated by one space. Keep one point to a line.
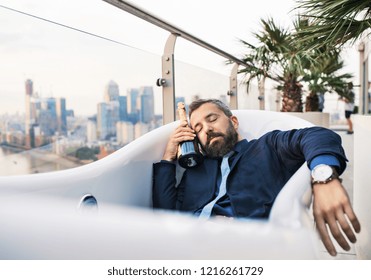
224 167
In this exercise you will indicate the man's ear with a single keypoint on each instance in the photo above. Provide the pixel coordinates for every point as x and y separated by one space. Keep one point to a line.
235 122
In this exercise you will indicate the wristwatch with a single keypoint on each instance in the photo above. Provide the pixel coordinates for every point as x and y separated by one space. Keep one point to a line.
323 173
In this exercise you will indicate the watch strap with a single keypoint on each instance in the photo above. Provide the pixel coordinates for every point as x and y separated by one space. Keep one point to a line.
334 175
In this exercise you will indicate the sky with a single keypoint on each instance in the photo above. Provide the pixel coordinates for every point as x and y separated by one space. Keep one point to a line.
67 63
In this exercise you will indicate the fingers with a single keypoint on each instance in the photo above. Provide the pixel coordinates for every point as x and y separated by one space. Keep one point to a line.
326 224
338 226
344 222
325 237
183 123
333 213
337 233
182 133
349 223
352 218
348 231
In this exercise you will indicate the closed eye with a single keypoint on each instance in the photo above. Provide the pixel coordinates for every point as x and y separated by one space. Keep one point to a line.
212 118
198 128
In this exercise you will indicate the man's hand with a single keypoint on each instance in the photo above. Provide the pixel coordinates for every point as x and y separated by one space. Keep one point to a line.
331 207
181 134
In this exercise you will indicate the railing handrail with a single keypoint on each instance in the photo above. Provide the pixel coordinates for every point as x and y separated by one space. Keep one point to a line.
149 17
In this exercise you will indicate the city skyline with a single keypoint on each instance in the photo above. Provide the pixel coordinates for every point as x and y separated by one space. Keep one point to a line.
48 128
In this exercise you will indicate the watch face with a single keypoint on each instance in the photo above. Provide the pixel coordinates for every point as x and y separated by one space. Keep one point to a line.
321 172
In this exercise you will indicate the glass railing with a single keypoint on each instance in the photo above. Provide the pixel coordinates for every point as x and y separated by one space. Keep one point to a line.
70 95
193 82
73 94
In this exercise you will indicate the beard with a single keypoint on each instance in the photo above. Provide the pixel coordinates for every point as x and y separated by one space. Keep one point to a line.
223 145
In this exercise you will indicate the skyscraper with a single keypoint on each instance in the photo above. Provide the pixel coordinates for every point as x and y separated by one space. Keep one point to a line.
47 116
133 105
123 108
91 130
125 132
61 116
147 105
102 122
111 92
28 120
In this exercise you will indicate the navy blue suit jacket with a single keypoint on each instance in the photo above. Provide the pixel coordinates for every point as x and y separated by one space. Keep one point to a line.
259 170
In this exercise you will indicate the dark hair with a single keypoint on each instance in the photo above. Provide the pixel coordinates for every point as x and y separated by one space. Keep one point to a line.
199 102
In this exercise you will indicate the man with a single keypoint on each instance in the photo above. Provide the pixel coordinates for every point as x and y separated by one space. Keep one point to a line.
258 171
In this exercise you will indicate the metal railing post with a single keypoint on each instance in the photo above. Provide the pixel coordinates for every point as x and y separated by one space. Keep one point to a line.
233 98
168 76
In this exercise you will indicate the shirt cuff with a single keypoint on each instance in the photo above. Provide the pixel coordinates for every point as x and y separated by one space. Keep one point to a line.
324 159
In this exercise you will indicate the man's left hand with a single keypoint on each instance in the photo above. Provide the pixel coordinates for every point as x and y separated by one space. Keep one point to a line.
332 208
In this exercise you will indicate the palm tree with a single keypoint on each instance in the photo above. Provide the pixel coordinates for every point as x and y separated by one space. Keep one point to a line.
277 58
281 58
324 76
334 22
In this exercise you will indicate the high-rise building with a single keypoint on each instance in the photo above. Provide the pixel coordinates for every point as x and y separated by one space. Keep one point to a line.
117 112
113 116
102 122
146 105
133 107
141 128
91 130
47 116
28 116
111 92
110 112
29 87
61 116
125 132
123 108
107 117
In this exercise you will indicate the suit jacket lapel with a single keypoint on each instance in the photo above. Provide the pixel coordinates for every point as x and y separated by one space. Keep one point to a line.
235 160
239 149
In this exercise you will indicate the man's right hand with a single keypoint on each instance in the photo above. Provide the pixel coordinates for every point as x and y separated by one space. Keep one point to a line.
182 133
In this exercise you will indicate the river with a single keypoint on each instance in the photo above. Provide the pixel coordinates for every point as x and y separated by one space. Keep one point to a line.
16 162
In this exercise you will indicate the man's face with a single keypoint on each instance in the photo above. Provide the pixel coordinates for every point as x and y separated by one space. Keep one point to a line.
216 132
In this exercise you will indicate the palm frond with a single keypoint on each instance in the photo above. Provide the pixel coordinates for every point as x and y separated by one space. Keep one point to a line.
334 22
